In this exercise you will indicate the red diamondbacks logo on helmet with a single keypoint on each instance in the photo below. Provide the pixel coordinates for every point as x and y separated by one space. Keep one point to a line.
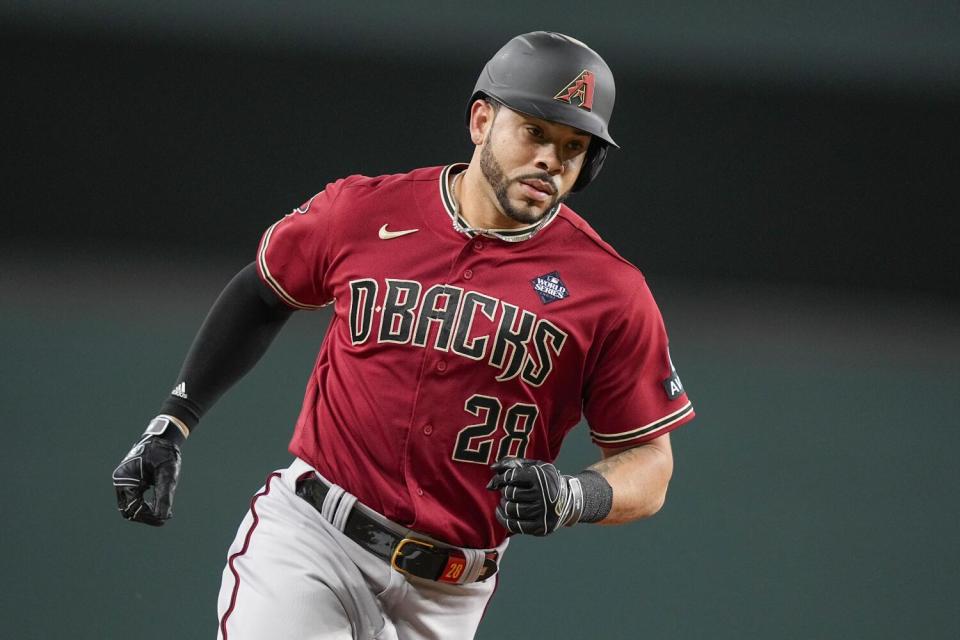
580 88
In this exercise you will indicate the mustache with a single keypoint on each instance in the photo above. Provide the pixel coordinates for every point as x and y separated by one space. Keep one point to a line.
542 176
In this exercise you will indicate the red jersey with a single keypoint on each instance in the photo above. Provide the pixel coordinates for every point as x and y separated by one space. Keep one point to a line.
449 349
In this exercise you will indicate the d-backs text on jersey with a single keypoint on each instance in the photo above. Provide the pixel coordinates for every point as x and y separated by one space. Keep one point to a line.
520 345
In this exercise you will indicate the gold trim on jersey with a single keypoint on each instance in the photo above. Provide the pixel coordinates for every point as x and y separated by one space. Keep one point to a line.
274 284
653 427
460 224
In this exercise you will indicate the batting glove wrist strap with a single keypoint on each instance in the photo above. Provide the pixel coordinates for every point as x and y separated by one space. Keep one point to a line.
169 428
597 496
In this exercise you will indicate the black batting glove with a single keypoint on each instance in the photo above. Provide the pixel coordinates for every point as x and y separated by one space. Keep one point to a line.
535 498
152 463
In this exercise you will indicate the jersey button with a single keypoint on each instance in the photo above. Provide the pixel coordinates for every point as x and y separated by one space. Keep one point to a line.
441 366
419 491
427 430
467 274
478 245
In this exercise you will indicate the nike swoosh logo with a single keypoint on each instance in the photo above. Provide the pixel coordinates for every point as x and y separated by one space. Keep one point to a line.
387 235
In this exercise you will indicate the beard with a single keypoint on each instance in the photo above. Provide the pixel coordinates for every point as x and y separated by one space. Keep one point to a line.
493 173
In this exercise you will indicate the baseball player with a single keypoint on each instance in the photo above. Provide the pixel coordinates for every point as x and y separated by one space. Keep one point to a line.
476 319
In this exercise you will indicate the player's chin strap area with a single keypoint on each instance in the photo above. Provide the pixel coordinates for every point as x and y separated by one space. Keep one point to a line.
405 552
507 235
460 224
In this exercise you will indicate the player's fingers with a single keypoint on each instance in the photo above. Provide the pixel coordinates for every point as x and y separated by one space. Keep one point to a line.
508 523
166 486
518 493
146 516
522 478
137 510
129 473
521 510
526 527
133 507
519 477
502 519
130 502
503 464
495 482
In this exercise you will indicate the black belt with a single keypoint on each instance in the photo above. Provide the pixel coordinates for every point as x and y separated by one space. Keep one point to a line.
407 555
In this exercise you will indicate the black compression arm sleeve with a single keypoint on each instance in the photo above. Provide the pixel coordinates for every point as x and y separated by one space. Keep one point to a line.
236 333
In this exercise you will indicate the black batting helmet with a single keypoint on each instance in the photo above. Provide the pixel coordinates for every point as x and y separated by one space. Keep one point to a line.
558 78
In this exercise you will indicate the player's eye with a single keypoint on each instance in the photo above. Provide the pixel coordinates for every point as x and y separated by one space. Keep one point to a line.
535 132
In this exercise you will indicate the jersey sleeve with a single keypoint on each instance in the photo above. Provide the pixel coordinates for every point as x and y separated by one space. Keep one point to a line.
634 394
294 252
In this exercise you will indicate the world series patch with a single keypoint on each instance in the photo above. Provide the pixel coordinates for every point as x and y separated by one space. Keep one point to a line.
550 287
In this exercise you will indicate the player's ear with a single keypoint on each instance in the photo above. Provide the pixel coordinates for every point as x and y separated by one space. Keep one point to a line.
482 114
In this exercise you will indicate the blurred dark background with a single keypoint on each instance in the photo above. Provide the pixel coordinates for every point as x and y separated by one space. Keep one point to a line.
788 181
757 157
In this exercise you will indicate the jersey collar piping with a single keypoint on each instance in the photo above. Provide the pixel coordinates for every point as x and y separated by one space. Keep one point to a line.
460 225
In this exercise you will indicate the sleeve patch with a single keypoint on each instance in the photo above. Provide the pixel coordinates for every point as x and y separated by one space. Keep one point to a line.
673 386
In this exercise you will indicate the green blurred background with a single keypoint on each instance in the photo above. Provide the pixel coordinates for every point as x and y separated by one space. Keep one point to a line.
788 182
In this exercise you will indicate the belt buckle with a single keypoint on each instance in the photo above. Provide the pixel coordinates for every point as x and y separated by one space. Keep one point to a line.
454 563
398 552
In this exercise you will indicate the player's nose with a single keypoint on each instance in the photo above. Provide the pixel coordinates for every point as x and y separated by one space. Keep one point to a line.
549 160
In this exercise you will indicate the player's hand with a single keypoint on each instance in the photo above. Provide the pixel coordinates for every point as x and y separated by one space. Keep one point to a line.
535 498
152 463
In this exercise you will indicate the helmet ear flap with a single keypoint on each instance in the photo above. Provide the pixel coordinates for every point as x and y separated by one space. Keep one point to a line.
596 154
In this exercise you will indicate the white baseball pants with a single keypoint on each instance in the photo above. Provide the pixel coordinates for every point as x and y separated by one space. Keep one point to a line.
291 575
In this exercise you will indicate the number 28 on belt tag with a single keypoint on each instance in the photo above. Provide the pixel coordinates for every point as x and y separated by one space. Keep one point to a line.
453 570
